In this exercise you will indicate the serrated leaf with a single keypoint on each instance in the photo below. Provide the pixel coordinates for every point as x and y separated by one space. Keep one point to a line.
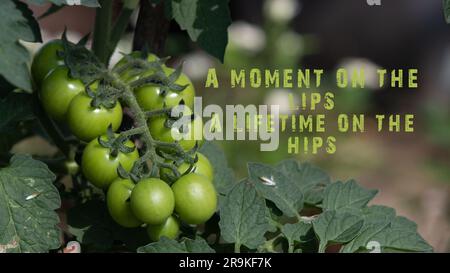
166 245
376 219
446 4
389 232
206 22
92 226
337 227
298 232
347 195
404 223
223 175
242 216
28 200
87 3
16 23
286 196
401 240
310 179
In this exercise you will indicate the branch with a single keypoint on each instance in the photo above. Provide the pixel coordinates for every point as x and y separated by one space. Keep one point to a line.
152 28
102 30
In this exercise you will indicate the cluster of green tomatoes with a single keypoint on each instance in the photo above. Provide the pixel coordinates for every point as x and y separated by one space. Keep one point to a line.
153 202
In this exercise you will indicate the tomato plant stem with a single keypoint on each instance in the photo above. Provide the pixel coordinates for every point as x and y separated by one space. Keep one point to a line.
102 30
119 28
237 247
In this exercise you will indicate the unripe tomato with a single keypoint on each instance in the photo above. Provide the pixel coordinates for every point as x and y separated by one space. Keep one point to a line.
45 60
195 198
186 139
57 91
128 75
201 167
151 97
100 167
118 203
169 229
152 201
87 122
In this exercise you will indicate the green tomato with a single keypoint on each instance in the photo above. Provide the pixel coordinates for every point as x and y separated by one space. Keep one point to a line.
195 198
45 60
128 75
100 167
150 97
186 139
169 229
117 199
152 201
201 167
87 122
57 91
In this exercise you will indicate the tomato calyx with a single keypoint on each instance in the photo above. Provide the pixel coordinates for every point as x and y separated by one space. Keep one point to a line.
176 160
105 96
115 143
160 78
138 172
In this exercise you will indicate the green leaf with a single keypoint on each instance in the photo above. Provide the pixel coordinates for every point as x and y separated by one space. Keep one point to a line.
93 227
446 4
401 240
404 223
223 175
298 232
28 200
206 22
87 3
15 107
82 63
391 233
335 227
165 245
347 195
51 10
376 219
16 23
243 216
310 179
286 196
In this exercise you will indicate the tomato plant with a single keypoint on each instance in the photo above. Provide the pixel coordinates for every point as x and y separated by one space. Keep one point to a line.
152 201
87 121
170 229
117 199
57 91
125 165
195 198
164 128
46 60
100 163
202 166
154 96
